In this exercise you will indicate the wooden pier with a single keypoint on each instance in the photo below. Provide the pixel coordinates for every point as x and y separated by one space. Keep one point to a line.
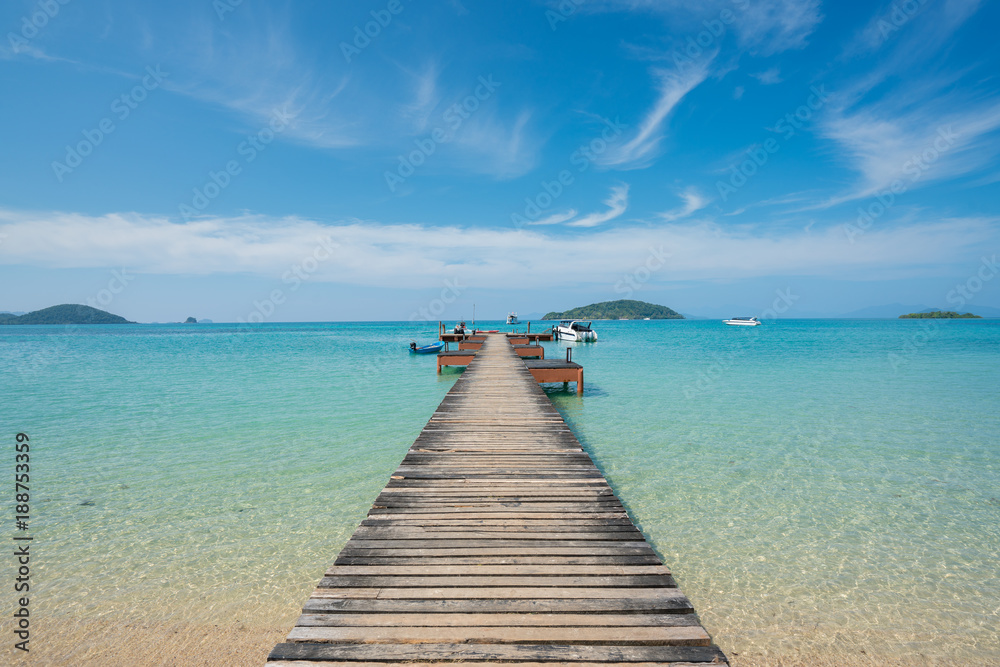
497 540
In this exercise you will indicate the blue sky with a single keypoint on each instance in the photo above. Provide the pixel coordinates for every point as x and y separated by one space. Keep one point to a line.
296 161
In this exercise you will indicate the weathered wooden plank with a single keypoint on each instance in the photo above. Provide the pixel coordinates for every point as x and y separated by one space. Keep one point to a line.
342 619
649 558
559 569
500 550
479 593
485 663
547 653
658 635
672 601
492 581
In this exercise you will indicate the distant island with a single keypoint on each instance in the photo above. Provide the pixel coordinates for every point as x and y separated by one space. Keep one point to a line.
940 315
67 313
623 309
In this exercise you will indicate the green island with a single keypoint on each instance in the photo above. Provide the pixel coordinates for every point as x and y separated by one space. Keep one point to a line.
66 313
940 315
623 309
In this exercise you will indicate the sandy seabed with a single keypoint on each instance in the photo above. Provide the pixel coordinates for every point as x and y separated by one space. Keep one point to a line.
112 643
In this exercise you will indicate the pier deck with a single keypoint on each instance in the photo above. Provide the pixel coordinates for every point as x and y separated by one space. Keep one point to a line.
497 540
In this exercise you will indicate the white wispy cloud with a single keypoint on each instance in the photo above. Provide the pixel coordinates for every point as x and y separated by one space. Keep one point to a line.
367 253
764 26
426 97
895 123
556 218
491 143
643 146
917 146
778 25
918 35
768 77
617 203
693 202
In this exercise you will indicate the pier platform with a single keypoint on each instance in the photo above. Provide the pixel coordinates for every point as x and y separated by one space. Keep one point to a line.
497 541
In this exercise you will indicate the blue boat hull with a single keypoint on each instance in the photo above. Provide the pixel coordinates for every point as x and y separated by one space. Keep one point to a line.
433 348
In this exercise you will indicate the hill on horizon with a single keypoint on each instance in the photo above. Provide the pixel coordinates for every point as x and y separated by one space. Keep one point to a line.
67 313
616 310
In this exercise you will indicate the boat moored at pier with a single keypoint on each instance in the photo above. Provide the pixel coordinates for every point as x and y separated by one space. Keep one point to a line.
577 331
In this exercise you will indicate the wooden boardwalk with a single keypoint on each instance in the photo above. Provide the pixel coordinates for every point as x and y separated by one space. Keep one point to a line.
497 540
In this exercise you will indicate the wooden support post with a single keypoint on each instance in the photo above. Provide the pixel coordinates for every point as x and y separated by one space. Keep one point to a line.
579 382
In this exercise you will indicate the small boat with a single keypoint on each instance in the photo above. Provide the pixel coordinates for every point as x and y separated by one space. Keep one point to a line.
575 330
512 318
743 322
433 348
460 328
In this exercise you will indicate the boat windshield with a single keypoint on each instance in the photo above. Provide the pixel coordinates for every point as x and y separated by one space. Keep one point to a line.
581 326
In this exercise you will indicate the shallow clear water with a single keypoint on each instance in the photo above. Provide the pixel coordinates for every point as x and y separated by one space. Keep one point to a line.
813 481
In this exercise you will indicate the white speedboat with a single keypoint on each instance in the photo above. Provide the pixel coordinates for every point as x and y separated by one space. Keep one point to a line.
576 331
512 319
743 322
460 328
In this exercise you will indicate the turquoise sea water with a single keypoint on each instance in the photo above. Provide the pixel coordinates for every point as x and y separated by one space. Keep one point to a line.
814 484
